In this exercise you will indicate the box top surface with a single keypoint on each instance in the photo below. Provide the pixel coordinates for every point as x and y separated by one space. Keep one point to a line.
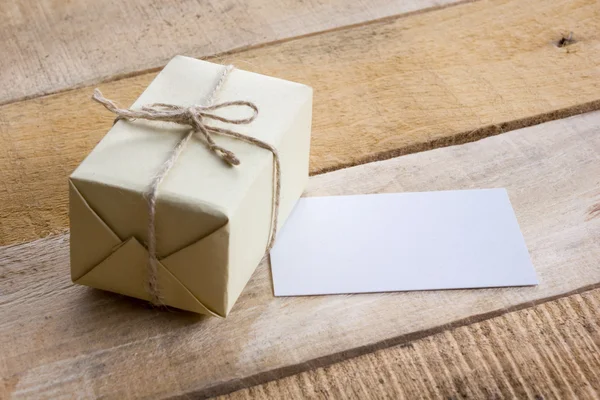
131 153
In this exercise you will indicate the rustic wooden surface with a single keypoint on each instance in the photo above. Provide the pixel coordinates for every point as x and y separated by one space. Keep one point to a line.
551 351
48 46
381 90
59 338
530 353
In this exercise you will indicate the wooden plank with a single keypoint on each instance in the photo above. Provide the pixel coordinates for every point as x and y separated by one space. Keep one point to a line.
59 338
52 46
381 90
550 351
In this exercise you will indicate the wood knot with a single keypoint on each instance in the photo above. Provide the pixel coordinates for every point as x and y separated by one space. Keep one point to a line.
565 40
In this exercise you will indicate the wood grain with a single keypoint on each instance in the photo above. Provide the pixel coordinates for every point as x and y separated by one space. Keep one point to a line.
550 351
48 46
381 90
59 338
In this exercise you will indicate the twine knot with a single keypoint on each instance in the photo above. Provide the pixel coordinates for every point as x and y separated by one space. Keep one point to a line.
194 117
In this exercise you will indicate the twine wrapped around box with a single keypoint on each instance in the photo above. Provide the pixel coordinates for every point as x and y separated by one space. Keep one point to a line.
194 116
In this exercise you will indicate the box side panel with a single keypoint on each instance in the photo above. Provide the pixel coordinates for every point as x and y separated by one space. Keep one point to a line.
250 224
295 157
201 267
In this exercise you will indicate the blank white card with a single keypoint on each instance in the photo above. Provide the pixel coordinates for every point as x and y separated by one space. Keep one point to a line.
401 241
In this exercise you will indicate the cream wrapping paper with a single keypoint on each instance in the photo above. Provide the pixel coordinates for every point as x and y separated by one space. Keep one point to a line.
212 220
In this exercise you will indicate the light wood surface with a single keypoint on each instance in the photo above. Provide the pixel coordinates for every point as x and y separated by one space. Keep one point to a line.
48 46
550 351
59 338
381 90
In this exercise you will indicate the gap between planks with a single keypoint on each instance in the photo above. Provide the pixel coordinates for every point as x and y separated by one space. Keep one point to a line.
547 351
325 361
469 136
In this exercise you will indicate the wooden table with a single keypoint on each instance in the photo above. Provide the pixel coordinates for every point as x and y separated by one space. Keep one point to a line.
393 81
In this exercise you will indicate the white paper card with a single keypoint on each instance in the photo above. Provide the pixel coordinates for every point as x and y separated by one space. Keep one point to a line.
401 241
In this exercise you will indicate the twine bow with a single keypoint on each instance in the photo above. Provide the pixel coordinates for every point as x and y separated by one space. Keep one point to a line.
195 117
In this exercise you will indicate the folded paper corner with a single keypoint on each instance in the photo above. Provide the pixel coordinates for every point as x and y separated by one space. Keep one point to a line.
124 272
91 239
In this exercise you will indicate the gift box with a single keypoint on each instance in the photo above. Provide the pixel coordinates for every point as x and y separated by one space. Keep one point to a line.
212 221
